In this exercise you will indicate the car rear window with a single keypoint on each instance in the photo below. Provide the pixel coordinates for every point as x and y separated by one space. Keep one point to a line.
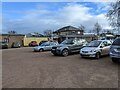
116 42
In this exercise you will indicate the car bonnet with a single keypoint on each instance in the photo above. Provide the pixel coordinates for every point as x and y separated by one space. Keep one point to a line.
88 48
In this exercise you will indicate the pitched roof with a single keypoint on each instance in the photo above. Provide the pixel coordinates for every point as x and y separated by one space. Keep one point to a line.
68 28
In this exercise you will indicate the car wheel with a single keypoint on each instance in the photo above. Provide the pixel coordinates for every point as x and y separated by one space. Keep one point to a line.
55 54
41 50
97 55
65 52
114 60
81 56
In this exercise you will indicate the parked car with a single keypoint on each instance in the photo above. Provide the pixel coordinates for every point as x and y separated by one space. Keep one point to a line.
33 43
47 46
3 45
16 45
68 46
115 50
108 39
96 49
41 42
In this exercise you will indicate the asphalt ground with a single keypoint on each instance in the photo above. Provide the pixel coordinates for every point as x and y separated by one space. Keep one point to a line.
23 68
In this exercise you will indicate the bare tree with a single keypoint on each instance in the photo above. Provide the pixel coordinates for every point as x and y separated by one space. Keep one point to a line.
81 27
48 33
113 15
90 31
97 28
12 32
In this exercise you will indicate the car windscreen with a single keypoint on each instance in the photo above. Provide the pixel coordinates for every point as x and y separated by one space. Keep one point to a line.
94 44
43 41
116 42
45 44
52 43
69 41
17 42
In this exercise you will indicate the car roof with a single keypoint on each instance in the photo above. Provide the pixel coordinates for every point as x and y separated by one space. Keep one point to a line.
102 40
49 42
118 38
75 39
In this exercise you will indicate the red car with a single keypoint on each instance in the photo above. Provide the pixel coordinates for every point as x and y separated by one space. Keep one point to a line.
33 43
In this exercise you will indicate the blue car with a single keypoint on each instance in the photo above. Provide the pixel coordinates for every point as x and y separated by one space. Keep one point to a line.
115 50
47 46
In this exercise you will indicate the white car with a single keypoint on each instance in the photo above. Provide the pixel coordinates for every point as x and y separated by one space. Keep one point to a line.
96 49
47 46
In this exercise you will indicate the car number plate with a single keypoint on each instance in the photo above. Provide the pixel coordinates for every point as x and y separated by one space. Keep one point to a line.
85 54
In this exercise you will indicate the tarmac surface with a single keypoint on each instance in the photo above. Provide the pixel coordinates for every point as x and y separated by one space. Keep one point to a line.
22 68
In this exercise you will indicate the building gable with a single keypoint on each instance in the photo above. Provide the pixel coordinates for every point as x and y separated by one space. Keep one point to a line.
68 28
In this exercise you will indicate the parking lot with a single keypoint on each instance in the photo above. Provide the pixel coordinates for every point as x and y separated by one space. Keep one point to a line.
23 68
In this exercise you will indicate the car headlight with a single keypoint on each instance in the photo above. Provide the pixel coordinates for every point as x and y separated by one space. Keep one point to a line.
93 51
58 47
80 51
36 48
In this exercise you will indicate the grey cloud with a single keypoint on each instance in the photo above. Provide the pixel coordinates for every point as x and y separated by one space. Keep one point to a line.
37 20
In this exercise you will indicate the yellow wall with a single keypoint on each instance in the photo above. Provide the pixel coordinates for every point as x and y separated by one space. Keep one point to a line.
1 37
28 40
12 39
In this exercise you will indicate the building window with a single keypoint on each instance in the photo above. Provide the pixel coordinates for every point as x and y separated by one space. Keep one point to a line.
6 40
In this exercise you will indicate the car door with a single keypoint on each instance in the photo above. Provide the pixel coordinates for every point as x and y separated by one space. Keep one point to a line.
81 43
109 43
76 46
49 45
105 48
72 47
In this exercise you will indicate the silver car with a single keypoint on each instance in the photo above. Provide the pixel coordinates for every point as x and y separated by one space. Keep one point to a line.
115 50
47 46
96 48
68 46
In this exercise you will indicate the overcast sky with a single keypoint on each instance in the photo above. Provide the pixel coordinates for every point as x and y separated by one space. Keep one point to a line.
26 17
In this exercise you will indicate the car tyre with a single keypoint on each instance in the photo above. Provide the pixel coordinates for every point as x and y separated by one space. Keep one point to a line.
41 50
81 56
55 54
65 52
29 45
114 60
97 55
